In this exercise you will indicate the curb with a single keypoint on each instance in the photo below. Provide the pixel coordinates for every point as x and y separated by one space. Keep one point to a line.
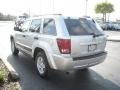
12 73
114 40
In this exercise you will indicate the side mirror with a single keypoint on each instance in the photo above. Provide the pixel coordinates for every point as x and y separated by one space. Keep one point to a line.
17 29
32 30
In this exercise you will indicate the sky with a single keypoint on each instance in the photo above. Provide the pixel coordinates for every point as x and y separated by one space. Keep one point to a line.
65 7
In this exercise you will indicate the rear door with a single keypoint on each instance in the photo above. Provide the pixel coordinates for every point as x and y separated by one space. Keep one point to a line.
87 38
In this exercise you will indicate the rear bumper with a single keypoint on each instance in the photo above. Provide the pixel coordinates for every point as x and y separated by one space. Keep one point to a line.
68 63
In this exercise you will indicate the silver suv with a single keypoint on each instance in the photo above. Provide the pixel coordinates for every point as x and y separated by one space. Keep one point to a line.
59 42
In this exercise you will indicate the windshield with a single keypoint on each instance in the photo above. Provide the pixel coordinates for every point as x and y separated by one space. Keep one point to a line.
82 27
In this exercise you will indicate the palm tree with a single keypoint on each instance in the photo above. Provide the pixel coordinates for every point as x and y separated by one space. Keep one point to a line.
104 8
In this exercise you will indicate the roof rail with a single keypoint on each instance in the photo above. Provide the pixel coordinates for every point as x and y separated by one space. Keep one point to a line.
48 14
53 14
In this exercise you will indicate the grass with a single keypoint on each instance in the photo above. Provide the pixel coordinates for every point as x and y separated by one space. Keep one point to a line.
5 84
2 75
3 72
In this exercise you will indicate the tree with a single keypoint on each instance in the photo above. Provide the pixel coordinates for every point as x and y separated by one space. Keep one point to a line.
6 17
104 8
1 16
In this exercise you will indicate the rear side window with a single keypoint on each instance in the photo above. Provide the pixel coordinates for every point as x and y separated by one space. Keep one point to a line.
82 27
35 25
49 27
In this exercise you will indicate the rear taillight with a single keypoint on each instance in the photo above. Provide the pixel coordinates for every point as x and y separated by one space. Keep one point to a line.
64 46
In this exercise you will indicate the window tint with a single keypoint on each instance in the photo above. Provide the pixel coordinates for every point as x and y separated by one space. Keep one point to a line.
82 27
49 27
35 25
25 26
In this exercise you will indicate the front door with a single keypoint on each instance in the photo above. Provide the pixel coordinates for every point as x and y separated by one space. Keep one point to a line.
33 34
21 36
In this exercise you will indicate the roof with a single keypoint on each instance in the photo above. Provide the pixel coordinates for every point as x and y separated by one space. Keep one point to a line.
58 15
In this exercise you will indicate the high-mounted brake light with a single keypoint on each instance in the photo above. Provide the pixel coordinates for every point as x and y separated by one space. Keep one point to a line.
64 46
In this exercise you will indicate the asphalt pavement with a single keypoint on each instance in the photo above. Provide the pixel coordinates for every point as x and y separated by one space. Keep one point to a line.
105 76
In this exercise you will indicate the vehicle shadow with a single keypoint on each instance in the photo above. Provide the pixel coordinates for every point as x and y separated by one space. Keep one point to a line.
77 80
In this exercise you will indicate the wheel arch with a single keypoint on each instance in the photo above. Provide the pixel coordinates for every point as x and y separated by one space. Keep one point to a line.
11 38
50 62
36 50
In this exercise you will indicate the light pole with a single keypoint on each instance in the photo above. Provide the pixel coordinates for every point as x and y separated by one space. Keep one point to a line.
29 12
86 8
53 6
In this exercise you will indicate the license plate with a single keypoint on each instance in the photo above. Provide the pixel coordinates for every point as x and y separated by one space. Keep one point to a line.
92 47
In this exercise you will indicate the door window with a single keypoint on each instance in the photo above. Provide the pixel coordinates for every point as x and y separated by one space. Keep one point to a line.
35 25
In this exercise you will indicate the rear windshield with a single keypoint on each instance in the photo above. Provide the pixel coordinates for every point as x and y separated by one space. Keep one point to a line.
82 27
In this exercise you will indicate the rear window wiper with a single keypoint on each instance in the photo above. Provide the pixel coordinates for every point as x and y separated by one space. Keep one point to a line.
94 35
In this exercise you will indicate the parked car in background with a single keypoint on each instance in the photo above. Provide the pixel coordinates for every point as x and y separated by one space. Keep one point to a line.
103 26
116 26
110 26
59 42
19 20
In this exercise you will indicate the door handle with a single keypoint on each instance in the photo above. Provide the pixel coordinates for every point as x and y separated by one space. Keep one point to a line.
36 38
23 35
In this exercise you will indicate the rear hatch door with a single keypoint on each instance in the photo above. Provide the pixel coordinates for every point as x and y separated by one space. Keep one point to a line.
87 38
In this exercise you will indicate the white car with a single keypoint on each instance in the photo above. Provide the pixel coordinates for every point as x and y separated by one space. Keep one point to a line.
60 43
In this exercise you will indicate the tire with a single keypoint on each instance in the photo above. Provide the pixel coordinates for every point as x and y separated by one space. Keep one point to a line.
41 64
85 69
14 50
